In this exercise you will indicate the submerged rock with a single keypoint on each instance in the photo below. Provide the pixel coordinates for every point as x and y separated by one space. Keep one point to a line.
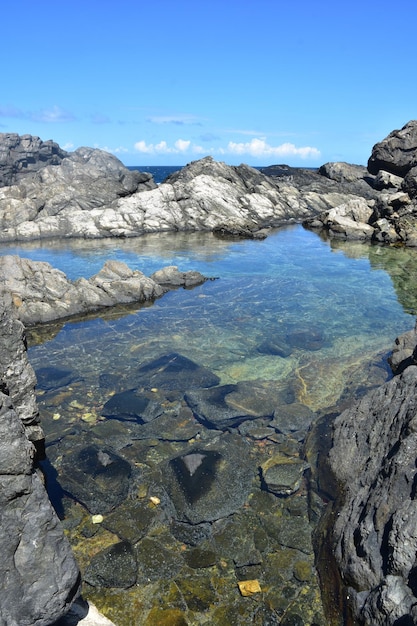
210 481
175 372
115 566
96 477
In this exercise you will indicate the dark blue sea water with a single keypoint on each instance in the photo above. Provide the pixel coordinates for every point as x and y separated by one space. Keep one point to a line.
159 172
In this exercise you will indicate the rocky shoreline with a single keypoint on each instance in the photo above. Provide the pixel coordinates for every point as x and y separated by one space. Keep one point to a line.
46 192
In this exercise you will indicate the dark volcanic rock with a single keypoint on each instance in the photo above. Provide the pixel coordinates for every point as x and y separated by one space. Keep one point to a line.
38 573
374 535
113 567
132 405
24 155
96 477
174 371
397 153
211 481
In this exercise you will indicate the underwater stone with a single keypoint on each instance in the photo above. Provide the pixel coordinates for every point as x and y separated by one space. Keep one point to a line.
113 567
174 371
131 405
96 477
218 487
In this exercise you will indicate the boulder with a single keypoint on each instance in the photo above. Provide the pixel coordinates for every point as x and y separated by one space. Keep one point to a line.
397 153
348 220
343 172
210 481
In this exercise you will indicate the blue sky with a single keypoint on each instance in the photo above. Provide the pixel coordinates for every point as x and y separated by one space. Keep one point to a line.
161 82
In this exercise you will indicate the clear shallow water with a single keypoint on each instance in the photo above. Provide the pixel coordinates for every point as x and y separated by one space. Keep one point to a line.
290 282
335 307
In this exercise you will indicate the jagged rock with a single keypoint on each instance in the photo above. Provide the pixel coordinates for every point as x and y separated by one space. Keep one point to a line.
22 156
397 153
39 575
42 293
387 180
373 535
348 220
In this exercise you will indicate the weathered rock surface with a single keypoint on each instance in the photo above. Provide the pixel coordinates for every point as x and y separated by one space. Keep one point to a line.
42 293
391 213
89 193
397 153
21 156
39 575
373 458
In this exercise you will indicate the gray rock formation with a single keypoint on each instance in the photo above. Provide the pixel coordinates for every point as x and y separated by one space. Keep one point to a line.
39 575
393 217
41 293
89 193
24 155
397 153
373 458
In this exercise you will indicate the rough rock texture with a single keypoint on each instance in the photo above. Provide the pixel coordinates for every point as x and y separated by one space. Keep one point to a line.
89 193
393 218
397 153
38 572
374 534
21 156
42 293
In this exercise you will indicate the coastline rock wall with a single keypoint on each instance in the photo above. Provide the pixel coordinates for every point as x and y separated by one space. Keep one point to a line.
393 218
39 575
89 193
374 533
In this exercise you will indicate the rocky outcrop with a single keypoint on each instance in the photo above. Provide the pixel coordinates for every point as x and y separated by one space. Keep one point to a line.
89 193
41 293
24 155
39 575
373 533
392 172
397 153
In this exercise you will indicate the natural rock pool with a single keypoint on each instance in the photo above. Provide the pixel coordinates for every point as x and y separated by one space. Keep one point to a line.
175 431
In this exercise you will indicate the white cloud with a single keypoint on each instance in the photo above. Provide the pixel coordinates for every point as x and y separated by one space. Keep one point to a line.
260 148
256 148
181 145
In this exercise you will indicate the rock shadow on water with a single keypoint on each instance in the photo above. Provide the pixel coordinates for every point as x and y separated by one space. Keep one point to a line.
195 472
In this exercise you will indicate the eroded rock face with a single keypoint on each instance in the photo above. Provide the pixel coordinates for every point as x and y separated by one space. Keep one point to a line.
373 458
39 575
397 153
22 156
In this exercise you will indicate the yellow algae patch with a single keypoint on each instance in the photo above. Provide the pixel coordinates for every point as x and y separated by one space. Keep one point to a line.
249 587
